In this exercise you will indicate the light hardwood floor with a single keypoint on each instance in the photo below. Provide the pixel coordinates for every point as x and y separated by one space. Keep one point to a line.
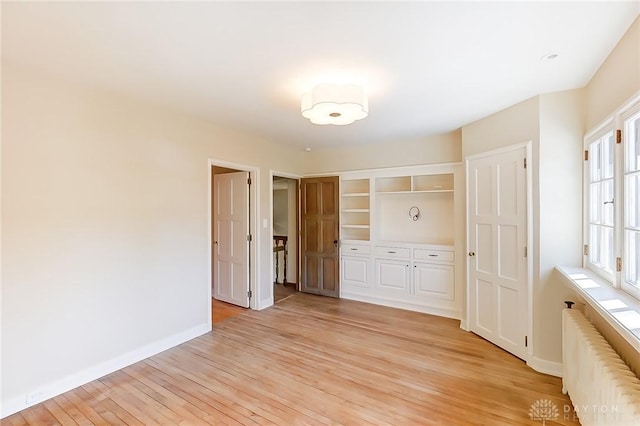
315 360
221 311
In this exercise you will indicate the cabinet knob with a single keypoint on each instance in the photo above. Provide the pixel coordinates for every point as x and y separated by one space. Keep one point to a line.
472 253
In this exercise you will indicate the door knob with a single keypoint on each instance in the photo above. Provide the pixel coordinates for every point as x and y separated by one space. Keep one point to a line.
472 253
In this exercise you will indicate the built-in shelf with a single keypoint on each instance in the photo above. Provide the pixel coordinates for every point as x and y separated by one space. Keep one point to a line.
417 183
432 183
416 192
393 184
355 209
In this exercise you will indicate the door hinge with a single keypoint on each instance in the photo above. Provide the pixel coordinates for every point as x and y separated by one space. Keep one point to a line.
249 294
525 163
585 250
586 155
248 181
249 238
618 264
525 251
618 136
526 342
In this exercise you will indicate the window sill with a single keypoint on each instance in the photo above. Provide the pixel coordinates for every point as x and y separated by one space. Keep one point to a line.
618 308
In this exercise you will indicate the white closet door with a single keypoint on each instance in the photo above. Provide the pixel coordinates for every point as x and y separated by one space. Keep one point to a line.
497 226
231 245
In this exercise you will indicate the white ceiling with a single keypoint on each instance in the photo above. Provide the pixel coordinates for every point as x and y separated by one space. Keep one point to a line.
428 67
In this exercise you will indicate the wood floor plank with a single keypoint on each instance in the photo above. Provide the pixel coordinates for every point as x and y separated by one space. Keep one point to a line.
14 420
92 408
102 394
66 413
312 360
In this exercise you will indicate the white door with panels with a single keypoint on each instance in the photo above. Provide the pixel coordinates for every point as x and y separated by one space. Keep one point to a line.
497 242
231 233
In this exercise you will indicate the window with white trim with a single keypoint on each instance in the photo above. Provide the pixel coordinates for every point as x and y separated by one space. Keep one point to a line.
612 200
631 205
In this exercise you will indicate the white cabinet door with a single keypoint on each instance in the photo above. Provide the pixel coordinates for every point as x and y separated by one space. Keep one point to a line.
392 278
355 273
432 281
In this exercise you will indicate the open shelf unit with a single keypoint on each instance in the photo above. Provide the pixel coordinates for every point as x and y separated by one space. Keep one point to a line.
355 208
414 183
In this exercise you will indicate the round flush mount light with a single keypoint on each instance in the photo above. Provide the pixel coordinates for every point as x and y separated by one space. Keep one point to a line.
549 56
337 104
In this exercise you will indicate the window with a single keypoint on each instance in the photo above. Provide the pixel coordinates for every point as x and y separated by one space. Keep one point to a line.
612 200
631 209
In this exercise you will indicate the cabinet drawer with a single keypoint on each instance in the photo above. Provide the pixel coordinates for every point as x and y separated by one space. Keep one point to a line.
428 254
393 252
355 249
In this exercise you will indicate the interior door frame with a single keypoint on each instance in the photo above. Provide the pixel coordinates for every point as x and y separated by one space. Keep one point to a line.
531 249
254 212
272 174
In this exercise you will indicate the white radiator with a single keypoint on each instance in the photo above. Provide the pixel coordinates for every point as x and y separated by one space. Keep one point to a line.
601 386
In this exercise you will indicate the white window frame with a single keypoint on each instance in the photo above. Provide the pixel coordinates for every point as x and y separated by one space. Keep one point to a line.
591 138
613 123
632 111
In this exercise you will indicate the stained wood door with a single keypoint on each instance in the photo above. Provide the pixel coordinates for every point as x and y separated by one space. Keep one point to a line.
319 236
231 245
497 226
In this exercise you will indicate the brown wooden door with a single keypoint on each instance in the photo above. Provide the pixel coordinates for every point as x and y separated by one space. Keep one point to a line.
319 236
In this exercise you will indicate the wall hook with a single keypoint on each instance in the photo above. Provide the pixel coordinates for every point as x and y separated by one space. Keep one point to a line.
414 213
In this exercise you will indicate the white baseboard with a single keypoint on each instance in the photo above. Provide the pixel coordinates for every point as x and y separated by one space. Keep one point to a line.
441 312
50 390
464 325
264 304
546 367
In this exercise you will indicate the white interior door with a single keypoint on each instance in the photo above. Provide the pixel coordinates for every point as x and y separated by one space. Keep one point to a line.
231 245
497 232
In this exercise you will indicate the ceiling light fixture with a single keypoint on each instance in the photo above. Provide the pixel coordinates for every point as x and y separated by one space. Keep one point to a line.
549 56
335 104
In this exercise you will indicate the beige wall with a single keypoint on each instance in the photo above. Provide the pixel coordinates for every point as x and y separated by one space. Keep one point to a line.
104 219
445 148
617 79
562 126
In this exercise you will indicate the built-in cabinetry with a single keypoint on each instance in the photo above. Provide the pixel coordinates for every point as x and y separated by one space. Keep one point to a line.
398 238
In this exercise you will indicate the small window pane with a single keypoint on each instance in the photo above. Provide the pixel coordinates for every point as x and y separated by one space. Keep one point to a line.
608 156
595 201
594 245
608 255
632 251
607 202
632 200
632 143
594 161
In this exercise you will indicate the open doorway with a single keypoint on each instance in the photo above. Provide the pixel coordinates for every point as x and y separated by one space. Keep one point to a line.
285 237
232 214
